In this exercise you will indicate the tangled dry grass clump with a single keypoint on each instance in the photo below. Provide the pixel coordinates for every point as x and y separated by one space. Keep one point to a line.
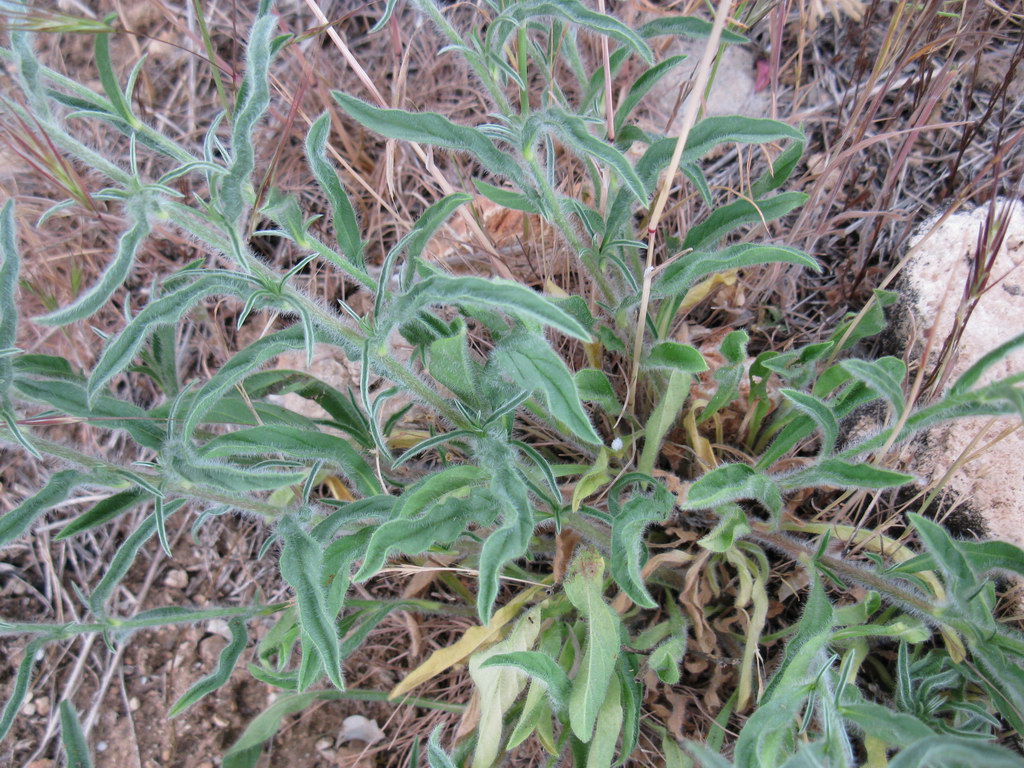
909 112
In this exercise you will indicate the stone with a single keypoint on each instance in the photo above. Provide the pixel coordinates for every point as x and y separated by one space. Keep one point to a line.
989 481
176 579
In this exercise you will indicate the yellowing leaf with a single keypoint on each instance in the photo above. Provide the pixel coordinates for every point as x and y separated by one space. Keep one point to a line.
593 481
499 687
552 289
473 639
703 289
700 444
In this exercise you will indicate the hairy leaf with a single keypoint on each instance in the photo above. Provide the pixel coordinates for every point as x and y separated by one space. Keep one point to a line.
733 482
76 749
584 586
499 686
346 226
540 667
678 277
237 368
115 274
301 564
22 681
820 413
571 11
686 26
672 356
298 443
118 354
104 511
20 519
124 557
225 665
533 365
843 474
430 128
510 297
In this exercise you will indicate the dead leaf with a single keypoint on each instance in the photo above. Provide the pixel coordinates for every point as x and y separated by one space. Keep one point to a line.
565 545
473 639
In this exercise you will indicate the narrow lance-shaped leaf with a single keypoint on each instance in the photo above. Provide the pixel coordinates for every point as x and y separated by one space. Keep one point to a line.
254 98
672 356
21 685
71 398
499 686
533 365
120 351
880 380
723 220
822 415
444 521
225 665
642 87
20 519
506 198
733 482
628 526
973 374
512 539
346 226
124 557
505 295
414 242
436 756
540 667
584 586
664 417
572 131
844 474
301 565
103 511
686 26
571 11
76 748
10 266
108 78
451 364
606 730
237 368
430 128
298 443
680 276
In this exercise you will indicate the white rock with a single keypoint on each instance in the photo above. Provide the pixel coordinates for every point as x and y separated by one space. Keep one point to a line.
992 483
358 728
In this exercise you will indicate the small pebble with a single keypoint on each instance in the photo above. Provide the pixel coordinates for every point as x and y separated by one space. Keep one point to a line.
42 705
134 704
101 746
323 745
176 579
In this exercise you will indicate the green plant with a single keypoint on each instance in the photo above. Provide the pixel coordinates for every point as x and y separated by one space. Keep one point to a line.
220 444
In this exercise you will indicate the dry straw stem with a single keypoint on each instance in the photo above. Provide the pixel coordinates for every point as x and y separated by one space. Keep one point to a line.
499 266
689 118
